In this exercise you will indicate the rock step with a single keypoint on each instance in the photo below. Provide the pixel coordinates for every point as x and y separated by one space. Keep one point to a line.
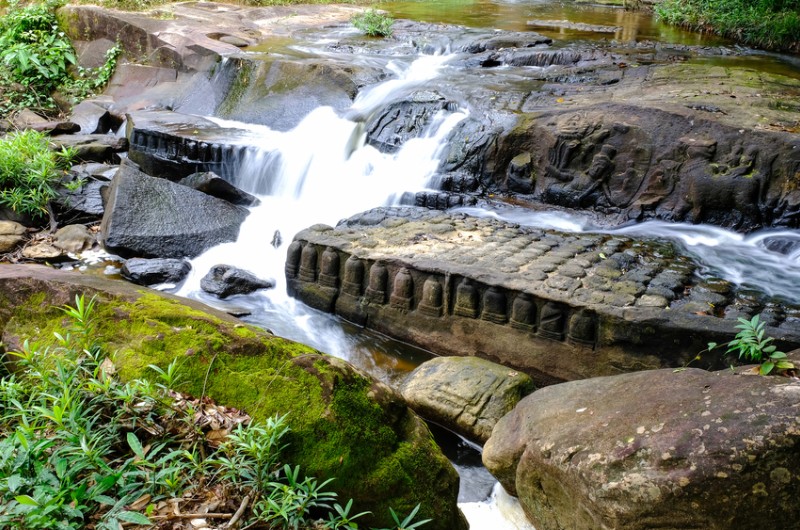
174 145
557 306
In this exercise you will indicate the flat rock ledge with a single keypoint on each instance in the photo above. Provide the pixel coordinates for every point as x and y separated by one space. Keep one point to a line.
556 306
666 449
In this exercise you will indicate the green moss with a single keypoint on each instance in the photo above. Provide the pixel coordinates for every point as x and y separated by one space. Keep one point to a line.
343 424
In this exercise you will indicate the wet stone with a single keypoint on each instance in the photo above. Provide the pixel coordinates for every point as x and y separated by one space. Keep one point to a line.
548 265
663 292
693 306
572 271
715 285
628 288
639 275
562 283
598 283
607 270
699 295
651 300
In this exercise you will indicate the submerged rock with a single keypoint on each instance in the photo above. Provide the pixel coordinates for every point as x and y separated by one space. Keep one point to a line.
466 394
151 217
155 271
344 424
661 449
227 280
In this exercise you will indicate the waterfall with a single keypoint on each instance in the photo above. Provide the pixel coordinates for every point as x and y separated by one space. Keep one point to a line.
320 172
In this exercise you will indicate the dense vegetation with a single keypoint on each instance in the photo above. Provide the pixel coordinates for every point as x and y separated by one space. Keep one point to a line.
30 172
765 23
81 448
37 59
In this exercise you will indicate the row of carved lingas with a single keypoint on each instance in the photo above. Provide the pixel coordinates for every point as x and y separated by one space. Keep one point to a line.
551 322
176 147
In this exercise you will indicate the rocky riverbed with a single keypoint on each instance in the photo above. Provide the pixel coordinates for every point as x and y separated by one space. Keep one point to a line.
623 130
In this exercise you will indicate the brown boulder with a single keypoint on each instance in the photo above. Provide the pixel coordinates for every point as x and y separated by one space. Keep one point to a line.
666 449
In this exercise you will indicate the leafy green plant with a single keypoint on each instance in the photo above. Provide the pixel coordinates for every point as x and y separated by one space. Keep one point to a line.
752 345
36 58
408 523
30 172
765 23
373 23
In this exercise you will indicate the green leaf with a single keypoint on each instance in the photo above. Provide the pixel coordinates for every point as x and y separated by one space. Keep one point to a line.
766 368
27 500
14 482
777 355
136 445
784 365
133 517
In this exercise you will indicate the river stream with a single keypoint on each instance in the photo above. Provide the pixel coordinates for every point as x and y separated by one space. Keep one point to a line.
323 171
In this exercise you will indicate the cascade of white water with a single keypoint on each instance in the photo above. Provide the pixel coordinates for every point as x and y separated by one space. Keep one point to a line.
321 172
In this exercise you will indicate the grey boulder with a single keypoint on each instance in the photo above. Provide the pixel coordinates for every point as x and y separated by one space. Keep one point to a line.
466 394
226 280
154 271
151 217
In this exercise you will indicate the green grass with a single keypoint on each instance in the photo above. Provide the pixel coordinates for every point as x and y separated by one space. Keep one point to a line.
773 24
30 172
81 446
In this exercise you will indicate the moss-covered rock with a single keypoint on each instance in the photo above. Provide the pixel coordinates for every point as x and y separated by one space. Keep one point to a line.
344 423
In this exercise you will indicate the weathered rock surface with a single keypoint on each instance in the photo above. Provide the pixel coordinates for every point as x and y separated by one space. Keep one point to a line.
11 235
556 306
466 394
155 271
665 449
183 44
226 280
73 238
212 184
85 201
343 423
94 117
92 147
152 217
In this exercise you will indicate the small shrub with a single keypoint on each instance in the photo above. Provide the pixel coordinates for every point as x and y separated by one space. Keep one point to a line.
30 172
751 345
373 23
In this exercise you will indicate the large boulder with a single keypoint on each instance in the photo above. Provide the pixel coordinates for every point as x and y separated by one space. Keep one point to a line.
344 424
466 394
151 217
666 449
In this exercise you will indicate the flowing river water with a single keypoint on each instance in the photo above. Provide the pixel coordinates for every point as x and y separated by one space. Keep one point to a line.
322 171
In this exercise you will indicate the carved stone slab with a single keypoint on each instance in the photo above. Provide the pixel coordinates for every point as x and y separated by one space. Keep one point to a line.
557 306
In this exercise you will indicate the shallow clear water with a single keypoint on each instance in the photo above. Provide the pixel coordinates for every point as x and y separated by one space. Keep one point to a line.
513 16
